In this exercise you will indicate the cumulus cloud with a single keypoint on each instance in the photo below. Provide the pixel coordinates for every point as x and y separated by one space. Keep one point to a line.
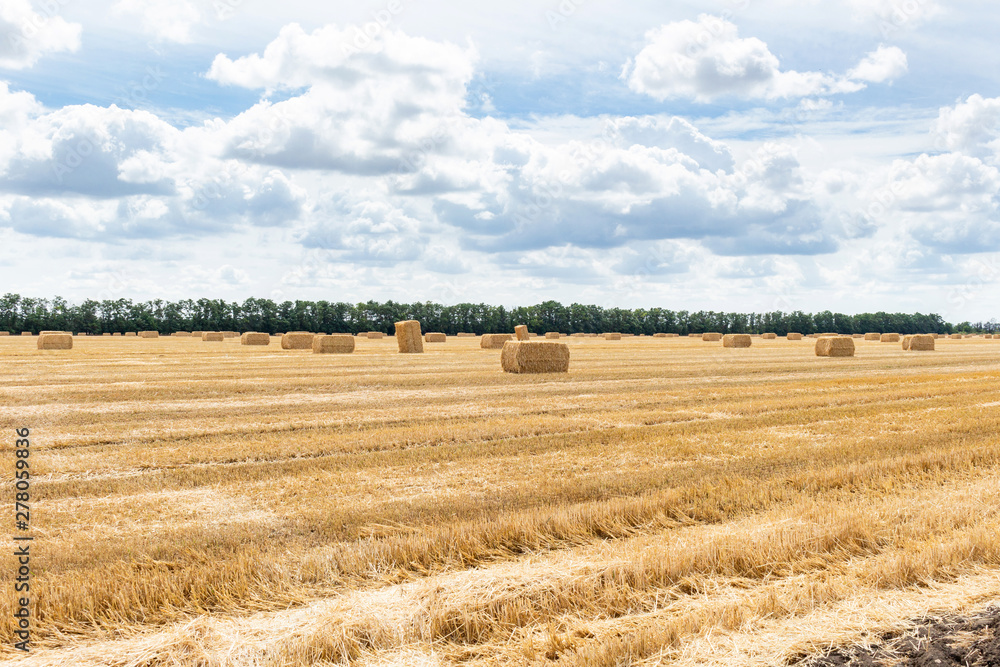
971 127
364 230
166 20
27 35
674 133
707 59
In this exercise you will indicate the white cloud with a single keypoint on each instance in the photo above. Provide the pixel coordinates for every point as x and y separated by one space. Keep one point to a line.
971 127
166 20
707 59
27 35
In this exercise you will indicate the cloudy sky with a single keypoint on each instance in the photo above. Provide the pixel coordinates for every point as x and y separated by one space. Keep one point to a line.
727 155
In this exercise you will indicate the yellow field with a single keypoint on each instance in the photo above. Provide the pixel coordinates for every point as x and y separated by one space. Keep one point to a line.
667 501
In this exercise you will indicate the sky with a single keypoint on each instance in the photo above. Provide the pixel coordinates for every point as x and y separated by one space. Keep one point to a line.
741 155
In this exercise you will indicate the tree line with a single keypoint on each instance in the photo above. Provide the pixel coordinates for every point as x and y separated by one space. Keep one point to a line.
92 317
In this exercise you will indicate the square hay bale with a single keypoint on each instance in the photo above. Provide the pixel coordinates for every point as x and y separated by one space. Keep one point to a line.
131 334
920 343
769 336
105 334
494 341
890 338
55 341
230 334
521 332
297 340
181 334
955 337
794 336
117 333
711 337
612 336
552 335
859 336
695 335
408 337
435 337
375 335
534 357
149 334
333 344
4 333
27 333
661 335
737 340
255 338
81 334
906 342
213 337
873 336
465 335
197 334
834 346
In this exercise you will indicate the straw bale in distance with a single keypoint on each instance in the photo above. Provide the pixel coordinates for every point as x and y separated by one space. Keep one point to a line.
873 336
42 333
333 344
552 335
213 337
494 341
105 334
117 333
230 334
376 335
737 340
55 341
890 338
906 342
612 336
255 338
921 343
27 333
466 335
149 334
130 334
661 335
197 334
955 337
794 336
578 335
695 335
435 337
859 336
769 336
297 340
521 332
534 357
408 337
711 337
181 334
835 346
4 333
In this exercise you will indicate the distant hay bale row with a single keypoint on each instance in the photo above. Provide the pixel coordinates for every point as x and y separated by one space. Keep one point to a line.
521 332
534 357
408 338
494 341
435 337
835 346
612 336
255 338
890 338
769 336
333 344
297 340
737 340
711 337
55 341
794 336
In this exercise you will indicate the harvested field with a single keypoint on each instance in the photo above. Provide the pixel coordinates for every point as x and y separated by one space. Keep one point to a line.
663 502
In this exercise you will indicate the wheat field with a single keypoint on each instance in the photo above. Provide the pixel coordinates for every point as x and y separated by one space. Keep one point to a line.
667 501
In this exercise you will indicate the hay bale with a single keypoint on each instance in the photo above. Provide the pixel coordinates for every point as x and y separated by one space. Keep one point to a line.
4 333
552 335
794 336
920 343
955 337
230 334
197 334
534 357
255 338
466 335
375 335
494 341
834 346
890 338
117 333
521 332
612 336
694 335
435 337
131 334
661 335
858 336
873 336
213 337
737 340
27 333
906 342
105 334
769 336
408 337
181 334
42 333
55 341
297 340
333 344
711 337
149 334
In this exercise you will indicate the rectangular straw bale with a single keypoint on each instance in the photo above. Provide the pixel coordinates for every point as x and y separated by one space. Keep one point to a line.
858 336
834 346
297 340
890 338
465 335
521 332
711 337
955 337
661 335
376 335
920 343
27 333
612 336
131 334
552 335
213 337
230 334
769 336
105 334
181 334
149 334
55 341
494 341
408 337
534 357
435 337
333 344
695 335
197 334
794 336
906 342
873 336
4 333
255 338
117 333
737 340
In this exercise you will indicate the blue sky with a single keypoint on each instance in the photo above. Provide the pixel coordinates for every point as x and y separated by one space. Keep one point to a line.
736 154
